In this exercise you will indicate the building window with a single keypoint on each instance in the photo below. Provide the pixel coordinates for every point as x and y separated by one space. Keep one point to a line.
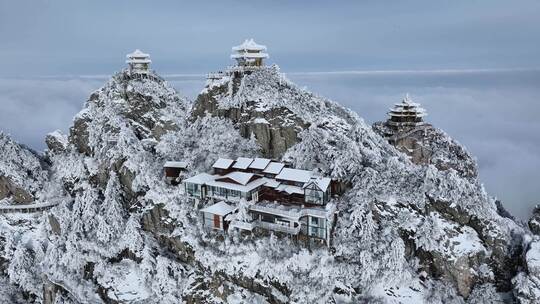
221 192
267 218
193 189
314 196
234 193
317 227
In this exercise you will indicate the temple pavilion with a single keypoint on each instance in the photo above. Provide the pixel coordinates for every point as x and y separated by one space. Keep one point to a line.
138 62
406 114
249 54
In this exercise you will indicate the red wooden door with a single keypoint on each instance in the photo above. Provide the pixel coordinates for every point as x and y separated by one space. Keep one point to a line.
216 221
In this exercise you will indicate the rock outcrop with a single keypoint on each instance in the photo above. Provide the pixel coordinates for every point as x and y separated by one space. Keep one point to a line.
428 145
527 282
148 106
264 104
534 221
22 171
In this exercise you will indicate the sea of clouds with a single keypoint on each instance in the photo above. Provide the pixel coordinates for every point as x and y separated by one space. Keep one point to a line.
494 113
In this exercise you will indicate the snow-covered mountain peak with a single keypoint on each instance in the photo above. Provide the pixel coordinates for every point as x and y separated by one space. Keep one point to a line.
143 103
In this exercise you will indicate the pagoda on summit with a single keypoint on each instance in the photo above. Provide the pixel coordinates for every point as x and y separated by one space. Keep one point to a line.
249 54
138 62
406 115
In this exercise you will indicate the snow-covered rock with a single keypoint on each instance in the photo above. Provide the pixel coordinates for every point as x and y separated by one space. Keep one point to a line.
534 221
22 171
527 282
266 105
429 145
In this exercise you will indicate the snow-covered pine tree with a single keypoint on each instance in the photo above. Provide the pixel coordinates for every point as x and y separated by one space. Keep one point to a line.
111 213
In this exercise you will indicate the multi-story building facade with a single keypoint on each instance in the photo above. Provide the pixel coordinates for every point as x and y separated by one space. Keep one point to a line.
280 198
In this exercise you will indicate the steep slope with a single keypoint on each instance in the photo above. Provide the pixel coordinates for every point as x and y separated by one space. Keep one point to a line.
405 233
21 171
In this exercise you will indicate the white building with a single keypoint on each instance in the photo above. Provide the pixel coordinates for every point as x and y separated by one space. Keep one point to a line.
214 215
249 54
138 62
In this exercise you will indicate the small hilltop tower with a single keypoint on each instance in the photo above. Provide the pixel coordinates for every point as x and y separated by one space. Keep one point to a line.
249 54
406 115
249 57
138 62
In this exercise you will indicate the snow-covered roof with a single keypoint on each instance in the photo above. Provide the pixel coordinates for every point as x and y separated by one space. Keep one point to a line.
321 182
259 163
242 163
137 54
272 183
220 208
138 57
295 175
274 168
290 189
407 114
249 49
176 164
223 163
199 178
249 44
242 188
240 177
407 108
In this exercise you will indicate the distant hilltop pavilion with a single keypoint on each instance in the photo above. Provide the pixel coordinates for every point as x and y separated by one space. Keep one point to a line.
138 62
406 115
249 54
249 57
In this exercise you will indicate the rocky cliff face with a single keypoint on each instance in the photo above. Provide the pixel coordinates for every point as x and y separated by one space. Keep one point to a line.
22 171
429 145
264 104
405 233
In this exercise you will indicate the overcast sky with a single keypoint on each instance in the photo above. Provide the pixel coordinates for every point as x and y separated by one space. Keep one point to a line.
473 64
73 37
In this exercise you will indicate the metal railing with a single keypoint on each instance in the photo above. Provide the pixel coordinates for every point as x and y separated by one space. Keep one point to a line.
277 227
289 213
266 225
242 225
